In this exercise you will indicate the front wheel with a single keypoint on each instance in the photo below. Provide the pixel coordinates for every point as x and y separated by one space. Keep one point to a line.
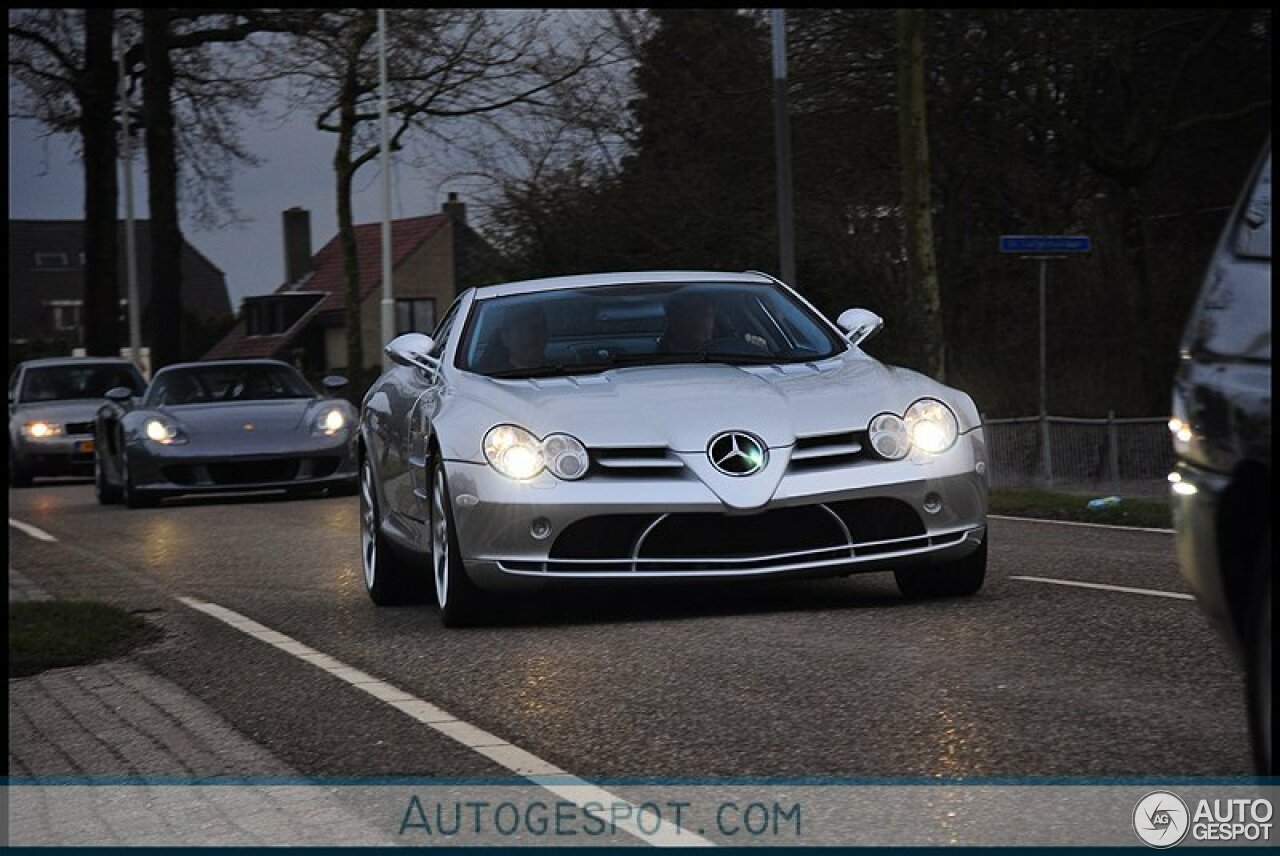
386 579
107 493
18 474
129 493
457 597
954 579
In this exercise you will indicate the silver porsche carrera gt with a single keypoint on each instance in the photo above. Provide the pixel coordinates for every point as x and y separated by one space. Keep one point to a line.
223 425
660 426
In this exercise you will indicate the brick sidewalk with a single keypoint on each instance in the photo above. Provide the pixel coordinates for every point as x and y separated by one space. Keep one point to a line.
121 720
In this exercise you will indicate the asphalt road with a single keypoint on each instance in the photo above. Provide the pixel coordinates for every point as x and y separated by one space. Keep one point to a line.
825 678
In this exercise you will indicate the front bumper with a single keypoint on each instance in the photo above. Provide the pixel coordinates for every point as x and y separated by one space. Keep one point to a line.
1196 498
177 470
869 516
56 456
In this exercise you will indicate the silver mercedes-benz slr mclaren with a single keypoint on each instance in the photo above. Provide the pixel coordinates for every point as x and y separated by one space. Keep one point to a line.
660 426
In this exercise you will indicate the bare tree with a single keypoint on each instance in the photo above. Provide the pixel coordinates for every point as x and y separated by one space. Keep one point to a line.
65 63
917 210
443 65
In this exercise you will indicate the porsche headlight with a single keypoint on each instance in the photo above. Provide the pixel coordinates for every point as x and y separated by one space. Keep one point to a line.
162 432
888 436
41 430
513 451
931 425
330 422
565 456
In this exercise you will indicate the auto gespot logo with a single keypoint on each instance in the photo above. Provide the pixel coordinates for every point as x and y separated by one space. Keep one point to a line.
1161 819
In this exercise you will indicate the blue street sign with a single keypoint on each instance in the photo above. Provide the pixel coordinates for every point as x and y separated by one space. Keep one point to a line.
1044 244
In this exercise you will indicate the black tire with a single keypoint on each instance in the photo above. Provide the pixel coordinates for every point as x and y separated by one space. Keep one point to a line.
955 579
129 493
458 598
107 493
387 578
1258 664
18 474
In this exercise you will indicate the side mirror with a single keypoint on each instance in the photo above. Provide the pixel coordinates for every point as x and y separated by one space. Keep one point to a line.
414 350
121 395
859 325
333 383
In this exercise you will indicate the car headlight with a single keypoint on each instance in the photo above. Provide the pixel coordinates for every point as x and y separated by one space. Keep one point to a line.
330 422
163 432
888 436
931 425
518 454
565 456
513 451
41 430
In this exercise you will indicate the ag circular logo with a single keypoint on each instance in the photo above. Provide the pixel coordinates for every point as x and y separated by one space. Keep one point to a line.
737 453
1161 819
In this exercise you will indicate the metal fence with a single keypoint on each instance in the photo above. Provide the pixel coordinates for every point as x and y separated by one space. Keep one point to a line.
1120 456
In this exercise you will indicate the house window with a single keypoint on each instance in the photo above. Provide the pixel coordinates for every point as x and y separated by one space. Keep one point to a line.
417 315
64 315
51 260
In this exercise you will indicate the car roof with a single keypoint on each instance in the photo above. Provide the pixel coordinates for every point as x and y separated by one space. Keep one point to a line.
602 280
75 361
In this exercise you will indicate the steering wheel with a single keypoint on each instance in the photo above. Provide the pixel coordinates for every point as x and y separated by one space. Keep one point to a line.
732 345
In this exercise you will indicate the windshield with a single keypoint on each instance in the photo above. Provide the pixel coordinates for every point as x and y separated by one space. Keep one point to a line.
58 383
243 382
574 331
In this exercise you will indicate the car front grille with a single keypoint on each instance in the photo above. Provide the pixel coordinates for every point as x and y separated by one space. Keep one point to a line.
813 452
275 470
79 428
726 542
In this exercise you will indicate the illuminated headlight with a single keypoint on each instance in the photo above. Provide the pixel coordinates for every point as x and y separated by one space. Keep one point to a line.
513 451
889 437
41 430
331 422
164 433
931 425
1182 433
564 456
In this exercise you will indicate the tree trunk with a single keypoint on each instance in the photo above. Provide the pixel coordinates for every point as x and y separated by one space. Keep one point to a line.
922 268
97 94
344 172
162 193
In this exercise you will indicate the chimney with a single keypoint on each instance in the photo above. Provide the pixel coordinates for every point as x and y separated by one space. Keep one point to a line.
297 244
456 210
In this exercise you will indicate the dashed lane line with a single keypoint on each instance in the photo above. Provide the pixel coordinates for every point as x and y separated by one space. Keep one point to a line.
1125 589
28 529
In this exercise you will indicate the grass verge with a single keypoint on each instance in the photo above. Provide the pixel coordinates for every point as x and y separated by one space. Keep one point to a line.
49 634
1139 511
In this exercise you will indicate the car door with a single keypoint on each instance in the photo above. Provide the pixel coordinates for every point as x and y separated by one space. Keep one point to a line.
411 493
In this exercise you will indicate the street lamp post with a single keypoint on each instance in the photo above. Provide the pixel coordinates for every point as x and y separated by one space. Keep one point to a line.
388 302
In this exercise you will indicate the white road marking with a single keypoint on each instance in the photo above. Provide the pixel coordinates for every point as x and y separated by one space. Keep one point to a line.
1126 589
1079 523
31 530
540 772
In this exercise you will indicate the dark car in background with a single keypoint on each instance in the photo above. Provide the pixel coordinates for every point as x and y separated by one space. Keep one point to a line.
1221 425
223 426
52 404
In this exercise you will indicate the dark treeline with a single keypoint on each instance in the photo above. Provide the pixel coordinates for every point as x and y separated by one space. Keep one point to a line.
1135 127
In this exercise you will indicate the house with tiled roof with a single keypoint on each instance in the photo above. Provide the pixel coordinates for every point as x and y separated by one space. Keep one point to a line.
46 282
433 258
